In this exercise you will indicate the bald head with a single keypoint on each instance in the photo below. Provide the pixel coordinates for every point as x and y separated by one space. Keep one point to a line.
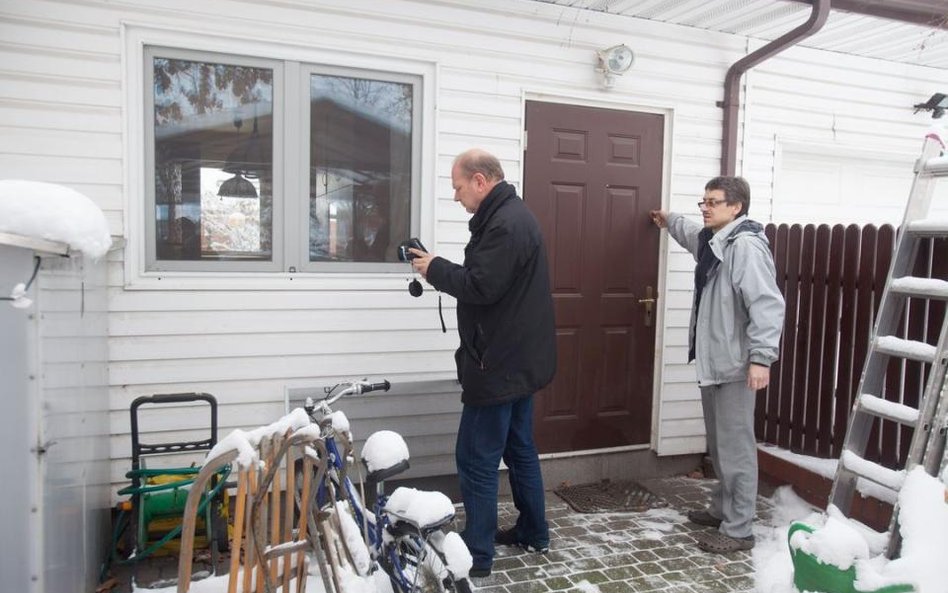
478 160
474 174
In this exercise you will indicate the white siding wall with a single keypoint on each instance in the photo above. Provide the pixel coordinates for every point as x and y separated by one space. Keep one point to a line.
73 357
852 118
63 119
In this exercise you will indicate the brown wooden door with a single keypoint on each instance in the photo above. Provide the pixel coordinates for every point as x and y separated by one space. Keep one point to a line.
590 177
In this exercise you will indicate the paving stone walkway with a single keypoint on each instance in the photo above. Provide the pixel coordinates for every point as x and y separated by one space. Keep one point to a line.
623 552
651 551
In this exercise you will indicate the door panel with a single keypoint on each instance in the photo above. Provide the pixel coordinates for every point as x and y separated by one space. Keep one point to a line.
590 177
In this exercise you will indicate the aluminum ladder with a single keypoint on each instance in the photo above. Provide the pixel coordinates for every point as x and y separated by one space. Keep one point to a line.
930 418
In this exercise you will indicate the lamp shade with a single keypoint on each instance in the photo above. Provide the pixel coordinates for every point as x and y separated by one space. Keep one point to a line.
237 187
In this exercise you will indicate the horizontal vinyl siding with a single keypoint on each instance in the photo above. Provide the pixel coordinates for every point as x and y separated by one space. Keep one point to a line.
248 346
71 306
61 119
834 104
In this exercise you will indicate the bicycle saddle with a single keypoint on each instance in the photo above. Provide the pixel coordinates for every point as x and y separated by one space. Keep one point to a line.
424 510
384 454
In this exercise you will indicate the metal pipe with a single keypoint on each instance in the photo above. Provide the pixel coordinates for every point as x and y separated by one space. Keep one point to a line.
732 89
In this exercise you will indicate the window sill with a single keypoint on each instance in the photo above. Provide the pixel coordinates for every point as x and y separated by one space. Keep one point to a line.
276 281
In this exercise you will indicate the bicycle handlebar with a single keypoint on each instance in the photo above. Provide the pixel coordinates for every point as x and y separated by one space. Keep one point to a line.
355 388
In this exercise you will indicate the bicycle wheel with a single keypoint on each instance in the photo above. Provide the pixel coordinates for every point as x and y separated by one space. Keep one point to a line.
425 567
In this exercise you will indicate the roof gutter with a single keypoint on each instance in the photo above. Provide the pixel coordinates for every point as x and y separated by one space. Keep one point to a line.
732 88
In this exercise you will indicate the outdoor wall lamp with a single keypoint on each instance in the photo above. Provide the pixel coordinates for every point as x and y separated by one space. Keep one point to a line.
613 61
937 104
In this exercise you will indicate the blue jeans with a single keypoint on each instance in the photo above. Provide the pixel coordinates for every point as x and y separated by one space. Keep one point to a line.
486 434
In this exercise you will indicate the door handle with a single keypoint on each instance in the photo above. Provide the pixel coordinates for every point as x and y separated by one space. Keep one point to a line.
649 302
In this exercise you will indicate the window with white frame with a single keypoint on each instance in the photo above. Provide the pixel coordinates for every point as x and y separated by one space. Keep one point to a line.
270 165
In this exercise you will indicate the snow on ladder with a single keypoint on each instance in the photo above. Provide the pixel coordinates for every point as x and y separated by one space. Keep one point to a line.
930 420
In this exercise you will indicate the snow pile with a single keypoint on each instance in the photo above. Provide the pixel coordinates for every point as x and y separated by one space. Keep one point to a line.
55 213
218 584
18 297
419 507
772 565
455 551
246 442
827 469
383 450
923 508
907 348
340 423
836 543
923 520
354 542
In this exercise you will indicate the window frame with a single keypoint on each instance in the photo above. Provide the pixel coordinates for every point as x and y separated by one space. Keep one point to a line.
140 273
152 263
302 228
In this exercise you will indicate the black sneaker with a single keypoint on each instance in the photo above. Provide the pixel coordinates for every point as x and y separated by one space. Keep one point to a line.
508 537
479 573
704 518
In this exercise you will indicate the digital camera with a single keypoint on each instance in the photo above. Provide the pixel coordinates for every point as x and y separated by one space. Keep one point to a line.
404 254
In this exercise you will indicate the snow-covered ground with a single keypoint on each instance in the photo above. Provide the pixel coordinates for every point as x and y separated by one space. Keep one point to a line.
605 536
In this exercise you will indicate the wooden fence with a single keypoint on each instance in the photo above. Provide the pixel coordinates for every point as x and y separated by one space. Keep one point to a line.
832 279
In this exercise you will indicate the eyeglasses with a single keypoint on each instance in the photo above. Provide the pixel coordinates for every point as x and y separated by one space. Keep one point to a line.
709 203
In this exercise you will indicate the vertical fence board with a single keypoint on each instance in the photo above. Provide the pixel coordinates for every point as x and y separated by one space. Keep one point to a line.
791 297
830 359
848 373
775 389
804 320
814 343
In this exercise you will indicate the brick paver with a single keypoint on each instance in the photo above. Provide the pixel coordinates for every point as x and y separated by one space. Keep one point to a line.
623 552
652 551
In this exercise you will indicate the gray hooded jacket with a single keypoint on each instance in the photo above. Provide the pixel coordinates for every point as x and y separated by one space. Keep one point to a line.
740 316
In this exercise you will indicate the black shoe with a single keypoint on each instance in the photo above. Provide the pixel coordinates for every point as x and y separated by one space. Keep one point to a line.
479 573
508 537
704 518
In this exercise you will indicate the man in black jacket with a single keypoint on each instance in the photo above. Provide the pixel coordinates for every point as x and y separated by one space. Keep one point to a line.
507 352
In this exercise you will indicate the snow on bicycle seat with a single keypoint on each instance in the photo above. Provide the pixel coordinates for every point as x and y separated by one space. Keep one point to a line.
422 508
384 454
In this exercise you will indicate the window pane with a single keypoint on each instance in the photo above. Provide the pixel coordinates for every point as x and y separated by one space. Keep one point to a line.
213 161
360 168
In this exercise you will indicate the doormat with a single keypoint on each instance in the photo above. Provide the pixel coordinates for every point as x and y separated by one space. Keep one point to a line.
609 497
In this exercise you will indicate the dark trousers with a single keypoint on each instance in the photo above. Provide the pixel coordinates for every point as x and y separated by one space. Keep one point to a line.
487 434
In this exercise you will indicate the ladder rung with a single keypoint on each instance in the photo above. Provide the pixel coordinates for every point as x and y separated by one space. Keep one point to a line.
929 288
871 471
937 165
889 410
928 227
910 349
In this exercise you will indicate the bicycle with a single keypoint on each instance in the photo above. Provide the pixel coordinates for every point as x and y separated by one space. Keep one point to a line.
403 533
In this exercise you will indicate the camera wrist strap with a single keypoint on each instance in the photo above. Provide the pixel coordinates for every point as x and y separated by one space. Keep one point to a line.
444 329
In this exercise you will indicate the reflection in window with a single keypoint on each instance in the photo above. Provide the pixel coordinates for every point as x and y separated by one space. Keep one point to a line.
360 168
213 161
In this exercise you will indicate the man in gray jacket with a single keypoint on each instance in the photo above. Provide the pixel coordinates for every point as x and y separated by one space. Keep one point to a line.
736 321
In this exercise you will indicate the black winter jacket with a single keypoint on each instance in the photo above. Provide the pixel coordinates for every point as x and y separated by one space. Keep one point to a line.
505 310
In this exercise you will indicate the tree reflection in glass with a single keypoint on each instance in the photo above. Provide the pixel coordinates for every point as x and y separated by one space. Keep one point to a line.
213 129
360 168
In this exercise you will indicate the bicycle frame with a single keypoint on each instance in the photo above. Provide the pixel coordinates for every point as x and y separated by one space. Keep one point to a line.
335 485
